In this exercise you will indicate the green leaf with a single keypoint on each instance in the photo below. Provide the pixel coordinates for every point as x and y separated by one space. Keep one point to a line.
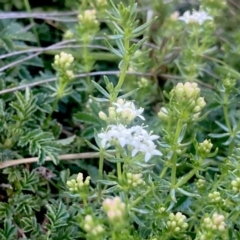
9 231
25 106
87 118
113 50
99 99
7 44
92 146
41 143
141 29
66 141
126 95
65 175
30 224
182 133
101 90
136 219
228 70
218 135
186 193
107 182
29 180
6 211
57 215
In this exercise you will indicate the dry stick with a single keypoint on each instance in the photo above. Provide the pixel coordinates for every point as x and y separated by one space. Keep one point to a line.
54 47
12 64
72 156
82 75
50 16
37 49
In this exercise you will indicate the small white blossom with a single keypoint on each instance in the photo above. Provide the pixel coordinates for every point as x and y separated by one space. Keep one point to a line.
128 107
137 138
197 16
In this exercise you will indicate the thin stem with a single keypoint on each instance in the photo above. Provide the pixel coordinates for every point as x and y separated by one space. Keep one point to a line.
119 167
163 171
134 203
28 8
124 69
225 112
227 121
185 178
174 157
100 174
85 202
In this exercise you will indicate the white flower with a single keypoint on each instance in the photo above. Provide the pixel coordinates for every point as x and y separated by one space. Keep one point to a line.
128 108
121 134
106 137
149 149
135 137
197 16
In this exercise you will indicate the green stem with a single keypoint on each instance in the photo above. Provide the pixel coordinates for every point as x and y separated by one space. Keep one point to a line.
85 202
188 176
163 171
119 167
100 174
225 112
124 69
28 8
174 157
134 203
55 103
227 121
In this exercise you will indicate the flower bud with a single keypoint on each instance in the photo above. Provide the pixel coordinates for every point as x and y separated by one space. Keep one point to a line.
236 185
70 74
177 222
205 147
215 197
163 114
115 209
102 116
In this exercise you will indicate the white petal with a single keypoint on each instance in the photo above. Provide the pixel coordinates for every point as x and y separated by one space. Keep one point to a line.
103 143
147 157
134 152
156 152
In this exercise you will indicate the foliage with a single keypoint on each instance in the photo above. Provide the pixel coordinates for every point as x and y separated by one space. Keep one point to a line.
119 120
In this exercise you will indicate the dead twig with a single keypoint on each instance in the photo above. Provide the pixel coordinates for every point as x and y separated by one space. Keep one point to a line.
72 156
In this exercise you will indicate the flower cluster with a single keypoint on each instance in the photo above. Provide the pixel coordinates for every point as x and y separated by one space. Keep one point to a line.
63 60
134 180
215 197
78 185
214 223
229 84
122 112
186 96
236 185
205 147
91 227
161 210
115 209
101 3
177 222
196 17
88 18
200 183
135 138
143 82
